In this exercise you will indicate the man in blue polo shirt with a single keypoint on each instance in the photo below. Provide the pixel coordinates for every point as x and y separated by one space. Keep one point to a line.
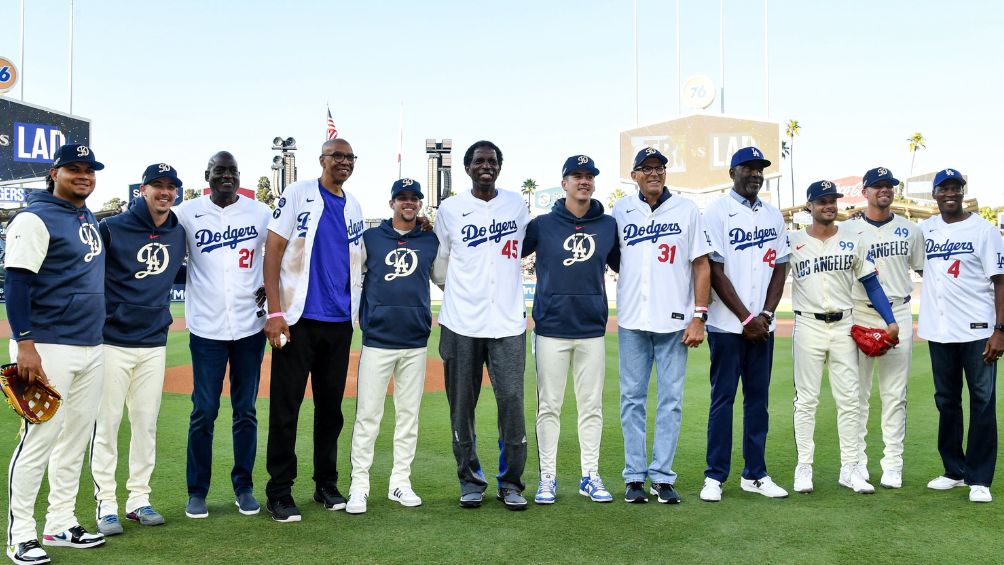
312 281
55 267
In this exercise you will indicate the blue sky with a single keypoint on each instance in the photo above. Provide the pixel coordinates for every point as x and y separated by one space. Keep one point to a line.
176 81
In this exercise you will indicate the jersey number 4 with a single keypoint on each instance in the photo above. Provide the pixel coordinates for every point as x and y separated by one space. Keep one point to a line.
953 269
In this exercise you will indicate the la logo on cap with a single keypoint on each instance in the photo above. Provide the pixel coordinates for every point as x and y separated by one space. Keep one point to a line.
949 172
755 152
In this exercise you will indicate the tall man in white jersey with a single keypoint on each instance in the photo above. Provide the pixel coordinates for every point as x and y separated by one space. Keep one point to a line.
827 261
747 275
896 246
662 299
226 236
962 317
483 321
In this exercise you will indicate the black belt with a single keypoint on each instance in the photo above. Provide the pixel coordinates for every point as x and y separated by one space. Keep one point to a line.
896 302
828 317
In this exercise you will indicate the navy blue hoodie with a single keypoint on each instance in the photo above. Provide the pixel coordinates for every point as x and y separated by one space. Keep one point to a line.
140 268
67 294
571 297
395 310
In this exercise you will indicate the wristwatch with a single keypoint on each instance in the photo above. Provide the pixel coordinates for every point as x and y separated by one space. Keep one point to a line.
999 327
702 315
768 315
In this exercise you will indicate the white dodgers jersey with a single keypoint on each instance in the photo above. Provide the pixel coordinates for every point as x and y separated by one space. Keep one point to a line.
751 242
896 247
655 289
483 242
957 299
825 272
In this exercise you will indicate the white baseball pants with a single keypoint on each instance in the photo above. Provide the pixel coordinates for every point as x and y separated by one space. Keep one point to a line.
587 360
376 366
893 373
134 377
816 343
75 372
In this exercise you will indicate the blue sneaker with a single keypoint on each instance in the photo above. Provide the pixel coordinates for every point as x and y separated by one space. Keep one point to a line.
592 486
546 489
247 504
146 516
109 525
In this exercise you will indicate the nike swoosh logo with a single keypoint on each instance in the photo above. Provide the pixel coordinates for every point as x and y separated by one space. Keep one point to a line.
154 236
199 215
629 211
732 215
310 200
22 334
578 227
797 247
465 214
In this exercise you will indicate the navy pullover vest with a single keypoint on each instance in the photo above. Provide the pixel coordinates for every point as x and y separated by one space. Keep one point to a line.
67 296
141 264
395 310
571 298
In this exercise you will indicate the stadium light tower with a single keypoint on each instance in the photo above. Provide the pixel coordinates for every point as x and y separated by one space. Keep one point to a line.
440 181
284 164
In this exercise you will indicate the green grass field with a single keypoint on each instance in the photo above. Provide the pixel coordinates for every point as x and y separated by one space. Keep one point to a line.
833 524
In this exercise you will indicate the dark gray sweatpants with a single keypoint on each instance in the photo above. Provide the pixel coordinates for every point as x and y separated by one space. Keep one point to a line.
463 359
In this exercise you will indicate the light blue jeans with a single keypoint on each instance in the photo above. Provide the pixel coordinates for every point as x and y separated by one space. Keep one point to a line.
638 349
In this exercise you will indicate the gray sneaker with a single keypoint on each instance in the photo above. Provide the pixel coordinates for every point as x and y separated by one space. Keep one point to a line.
146 516
247 504
109 525
512 499
196 507
471 499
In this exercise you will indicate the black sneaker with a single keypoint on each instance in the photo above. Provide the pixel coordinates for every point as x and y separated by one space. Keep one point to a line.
667 494
512 499
635 493
329 497
283 509
28 553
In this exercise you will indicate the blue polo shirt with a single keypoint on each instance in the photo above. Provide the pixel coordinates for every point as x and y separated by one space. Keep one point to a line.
329 297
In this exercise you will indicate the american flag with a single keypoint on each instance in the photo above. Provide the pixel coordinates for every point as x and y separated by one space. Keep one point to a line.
332 132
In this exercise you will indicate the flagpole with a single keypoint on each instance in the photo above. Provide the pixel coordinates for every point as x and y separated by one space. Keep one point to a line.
766 67
635 62
400 142
20 68
721 49
71 57
679 85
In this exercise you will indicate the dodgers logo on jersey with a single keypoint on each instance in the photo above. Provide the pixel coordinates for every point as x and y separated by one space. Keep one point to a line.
155 258
652 232
355 231
89 236
581 246
743 239
403 260
948 248
474 235
301 224
208 240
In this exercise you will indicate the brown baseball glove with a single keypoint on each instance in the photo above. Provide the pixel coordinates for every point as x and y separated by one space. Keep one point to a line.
873 342
36 402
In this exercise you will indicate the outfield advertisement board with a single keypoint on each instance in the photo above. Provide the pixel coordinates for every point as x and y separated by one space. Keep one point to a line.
30 135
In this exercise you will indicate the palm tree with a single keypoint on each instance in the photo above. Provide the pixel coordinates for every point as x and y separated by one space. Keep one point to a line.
529 187
916 142
791 130
616 195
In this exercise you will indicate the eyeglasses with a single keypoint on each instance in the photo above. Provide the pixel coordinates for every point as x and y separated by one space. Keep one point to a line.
649 170
338 156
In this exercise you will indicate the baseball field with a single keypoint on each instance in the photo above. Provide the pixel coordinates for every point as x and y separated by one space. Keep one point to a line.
833 524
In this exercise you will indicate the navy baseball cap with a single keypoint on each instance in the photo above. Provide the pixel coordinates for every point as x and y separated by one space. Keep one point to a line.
75 153
161 171
750 155
820 189
646 153
948 174
406 185
879 174
579 163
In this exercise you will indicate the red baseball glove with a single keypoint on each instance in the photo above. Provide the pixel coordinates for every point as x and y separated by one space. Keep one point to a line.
36 402
873 342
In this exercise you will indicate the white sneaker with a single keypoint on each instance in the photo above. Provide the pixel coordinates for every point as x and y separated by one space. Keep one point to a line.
803 477
979 493
862 470
944 483
356 503
852 479
892 479
405 496
765 486
712 491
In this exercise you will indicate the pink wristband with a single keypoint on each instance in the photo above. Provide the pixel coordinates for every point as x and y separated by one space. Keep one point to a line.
748 320
700 308
283 315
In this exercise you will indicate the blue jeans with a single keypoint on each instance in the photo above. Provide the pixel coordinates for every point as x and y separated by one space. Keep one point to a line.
949 361
209 365
638 350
